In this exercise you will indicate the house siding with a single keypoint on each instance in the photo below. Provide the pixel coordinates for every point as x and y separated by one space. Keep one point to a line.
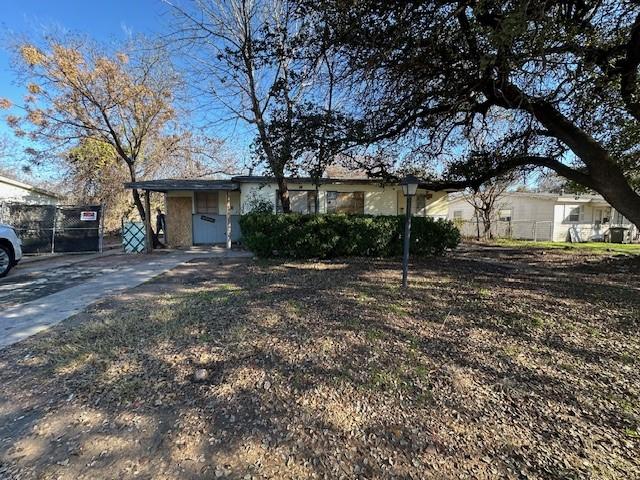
541 217
9 192
378 200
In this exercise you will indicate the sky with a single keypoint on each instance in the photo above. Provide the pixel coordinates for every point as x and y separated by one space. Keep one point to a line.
105 21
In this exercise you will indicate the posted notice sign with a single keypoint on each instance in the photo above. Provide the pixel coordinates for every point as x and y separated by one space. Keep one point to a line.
88 216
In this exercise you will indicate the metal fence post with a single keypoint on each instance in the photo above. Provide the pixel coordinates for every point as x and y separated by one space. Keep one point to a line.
53 230
535 233
101 227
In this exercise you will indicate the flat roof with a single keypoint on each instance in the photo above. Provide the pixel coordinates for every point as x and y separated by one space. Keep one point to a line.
170 185
167 185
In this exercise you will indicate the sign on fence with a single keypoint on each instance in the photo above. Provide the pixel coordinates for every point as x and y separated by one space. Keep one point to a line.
88 216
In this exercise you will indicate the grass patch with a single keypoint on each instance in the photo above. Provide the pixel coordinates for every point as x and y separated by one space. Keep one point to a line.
587 247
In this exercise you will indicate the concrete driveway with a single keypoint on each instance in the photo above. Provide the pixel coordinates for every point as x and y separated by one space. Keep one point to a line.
36 296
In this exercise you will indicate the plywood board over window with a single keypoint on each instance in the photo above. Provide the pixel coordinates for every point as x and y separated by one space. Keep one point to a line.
207 202
345 202
178 220
421 204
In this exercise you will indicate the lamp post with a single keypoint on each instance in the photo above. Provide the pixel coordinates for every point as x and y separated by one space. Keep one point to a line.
409 187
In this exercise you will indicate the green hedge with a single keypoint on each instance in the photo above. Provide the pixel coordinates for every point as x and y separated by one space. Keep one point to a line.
330 236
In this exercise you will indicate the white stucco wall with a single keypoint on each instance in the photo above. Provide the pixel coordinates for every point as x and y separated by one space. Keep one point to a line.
13 192
387 200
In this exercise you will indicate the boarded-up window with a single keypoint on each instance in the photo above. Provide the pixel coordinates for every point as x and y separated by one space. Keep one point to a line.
345 202
421 204
207 202
301 201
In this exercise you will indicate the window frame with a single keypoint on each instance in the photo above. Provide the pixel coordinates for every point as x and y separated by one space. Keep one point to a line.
310 201
421 210
354 201
505 218
580 214
208 210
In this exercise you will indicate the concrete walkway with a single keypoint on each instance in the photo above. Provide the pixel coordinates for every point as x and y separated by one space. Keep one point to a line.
21 321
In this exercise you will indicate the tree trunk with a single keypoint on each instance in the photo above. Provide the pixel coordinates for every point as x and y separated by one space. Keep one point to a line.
487 225
603 173
137 201
616 190
283 191
140 207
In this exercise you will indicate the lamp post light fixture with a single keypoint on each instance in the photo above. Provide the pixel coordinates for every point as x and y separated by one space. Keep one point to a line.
409 187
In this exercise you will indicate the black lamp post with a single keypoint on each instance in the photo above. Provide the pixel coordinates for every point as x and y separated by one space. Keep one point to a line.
409 187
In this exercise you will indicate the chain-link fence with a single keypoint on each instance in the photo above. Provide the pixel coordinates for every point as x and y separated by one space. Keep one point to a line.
519 230
55 228
542 231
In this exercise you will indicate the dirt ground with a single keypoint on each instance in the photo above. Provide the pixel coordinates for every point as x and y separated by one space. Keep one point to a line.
497 363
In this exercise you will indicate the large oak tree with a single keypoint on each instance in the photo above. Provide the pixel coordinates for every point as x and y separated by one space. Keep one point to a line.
551 83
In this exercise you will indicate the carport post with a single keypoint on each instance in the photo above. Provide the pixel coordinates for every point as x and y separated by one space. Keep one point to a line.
228 218
148 241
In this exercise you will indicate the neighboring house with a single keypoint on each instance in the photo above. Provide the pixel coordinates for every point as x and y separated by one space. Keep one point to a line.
545 216
13 191
196 209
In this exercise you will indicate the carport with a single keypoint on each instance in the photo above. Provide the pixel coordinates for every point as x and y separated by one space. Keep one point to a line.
197 212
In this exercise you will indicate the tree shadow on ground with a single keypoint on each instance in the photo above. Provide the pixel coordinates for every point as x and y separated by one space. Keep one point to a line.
328 370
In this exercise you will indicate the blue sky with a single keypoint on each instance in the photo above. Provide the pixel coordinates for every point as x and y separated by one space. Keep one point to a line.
105 21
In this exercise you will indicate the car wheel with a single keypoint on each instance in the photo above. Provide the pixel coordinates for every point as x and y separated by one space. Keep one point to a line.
6 260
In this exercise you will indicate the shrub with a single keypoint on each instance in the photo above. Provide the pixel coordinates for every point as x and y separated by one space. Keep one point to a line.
331 235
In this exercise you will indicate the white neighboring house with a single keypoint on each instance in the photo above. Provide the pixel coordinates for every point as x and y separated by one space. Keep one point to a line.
545 216
13 191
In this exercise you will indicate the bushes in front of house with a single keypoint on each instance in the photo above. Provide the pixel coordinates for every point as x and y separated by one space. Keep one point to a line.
334 235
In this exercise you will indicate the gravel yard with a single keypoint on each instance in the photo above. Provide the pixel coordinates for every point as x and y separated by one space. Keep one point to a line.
497 363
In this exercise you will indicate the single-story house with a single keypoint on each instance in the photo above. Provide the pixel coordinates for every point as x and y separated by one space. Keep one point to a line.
196 210
545 216
14 191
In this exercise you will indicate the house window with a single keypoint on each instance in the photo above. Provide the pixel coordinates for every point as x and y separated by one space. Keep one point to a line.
300 201
421 204
345 202
618 218
457 214
575 214
504 215
207 202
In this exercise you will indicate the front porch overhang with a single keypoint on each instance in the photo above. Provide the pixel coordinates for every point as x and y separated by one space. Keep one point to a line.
171 185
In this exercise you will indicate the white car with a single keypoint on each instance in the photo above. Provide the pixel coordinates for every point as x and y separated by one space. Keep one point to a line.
10 249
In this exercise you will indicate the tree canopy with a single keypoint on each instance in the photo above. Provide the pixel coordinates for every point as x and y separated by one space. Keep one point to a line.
488 86
77 92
